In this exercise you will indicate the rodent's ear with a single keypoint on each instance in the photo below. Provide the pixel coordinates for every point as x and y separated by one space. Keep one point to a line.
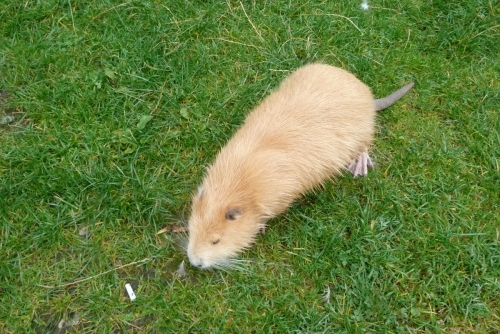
233 214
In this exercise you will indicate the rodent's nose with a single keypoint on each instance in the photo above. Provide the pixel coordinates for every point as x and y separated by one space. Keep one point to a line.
196 262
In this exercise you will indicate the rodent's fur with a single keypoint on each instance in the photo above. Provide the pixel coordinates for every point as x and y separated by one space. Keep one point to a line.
319 120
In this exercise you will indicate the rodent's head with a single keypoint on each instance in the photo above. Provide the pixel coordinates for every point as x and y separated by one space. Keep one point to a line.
219 229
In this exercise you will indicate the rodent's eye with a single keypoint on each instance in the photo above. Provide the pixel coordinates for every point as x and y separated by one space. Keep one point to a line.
233 214
215 242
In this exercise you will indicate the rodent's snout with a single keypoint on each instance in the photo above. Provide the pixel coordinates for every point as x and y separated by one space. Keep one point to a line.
196 262
197 256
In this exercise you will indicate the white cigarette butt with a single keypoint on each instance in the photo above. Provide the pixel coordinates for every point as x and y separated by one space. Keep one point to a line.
130 291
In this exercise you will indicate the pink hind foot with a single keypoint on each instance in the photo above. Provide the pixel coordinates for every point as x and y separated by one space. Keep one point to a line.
360 165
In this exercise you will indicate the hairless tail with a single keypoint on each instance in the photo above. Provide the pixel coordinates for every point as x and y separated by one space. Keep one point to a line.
386 102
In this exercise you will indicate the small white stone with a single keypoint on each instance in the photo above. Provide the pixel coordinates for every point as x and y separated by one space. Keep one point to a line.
61 324
326 297
181 271
6 119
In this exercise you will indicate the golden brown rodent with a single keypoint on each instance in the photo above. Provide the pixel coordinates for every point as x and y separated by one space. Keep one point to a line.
319 122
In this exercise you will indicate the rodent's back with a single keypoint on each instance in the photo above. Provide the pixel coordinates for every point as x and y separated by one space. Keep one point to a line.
319 119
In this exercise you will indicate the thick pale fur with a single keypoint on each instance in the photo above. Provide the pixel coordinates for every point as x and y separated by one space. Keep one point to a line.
311 128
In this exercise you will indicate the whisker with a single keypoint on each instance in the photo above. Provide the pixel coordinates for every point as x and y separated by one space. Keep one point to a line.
232 264
180 241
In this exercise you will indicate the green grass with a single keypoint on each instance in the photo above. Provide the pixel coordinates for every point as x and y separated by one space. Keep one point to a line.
85 185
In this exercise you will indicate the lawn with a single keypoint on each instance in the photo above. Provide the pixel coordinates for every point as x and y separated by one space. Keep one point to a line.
111 110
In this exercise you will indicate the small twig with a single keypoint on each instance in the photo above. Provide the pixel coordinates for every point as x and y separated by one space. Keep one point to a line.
72 17
104 12
408 39
234 42
155 109
174 228
92 277
253 26
484 31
